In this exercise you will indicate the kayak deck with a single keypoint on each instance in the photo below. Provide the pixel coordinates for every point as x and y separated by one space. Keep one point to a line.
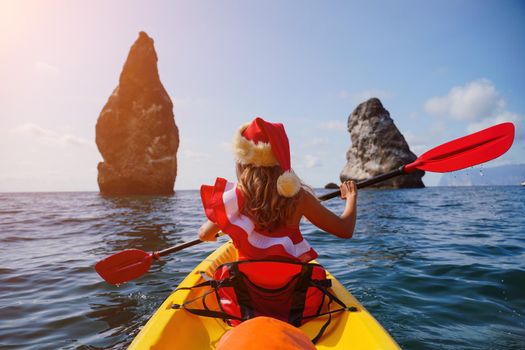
170 328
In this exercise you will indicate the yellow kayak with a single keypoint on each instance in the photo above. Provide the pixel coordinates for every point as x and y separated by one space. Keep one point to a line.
171 328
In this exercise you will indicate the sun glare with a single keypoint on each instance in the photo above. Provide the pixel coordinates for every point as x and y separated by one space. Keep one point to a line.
16 18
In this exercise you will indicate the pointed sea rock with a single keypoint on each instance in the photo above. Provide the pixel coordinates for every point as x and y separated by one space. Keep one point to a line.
377 147
136 131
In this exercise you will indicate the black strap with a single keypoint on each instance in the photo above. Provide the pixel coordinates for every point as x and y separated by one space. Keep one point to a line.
208 313
238 281
322 287
323 328
241 291
299 295
331 298
211 283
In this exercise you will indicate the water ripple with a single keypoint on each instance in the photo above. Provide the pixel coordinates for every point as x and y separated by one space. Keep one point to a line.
440 268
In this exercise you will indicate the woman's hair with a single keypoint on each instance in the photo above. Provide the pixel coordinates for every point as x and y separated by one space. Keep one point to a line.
262 203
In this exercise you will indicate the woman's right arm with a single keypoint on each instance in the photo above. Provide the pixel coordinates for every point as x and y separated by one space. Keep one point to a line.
208 231
341 226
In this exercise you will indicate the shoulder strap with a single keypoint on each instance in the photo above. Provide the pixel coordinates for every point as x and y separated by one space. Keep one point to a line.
241 290
299 296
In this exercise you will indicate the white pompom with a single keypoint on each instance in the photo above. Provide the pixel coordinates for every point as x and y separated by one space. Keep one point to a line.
288 184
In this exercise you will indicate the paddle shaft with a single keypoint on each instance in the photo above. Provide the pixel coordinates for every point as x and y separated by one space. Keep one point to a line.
176 248
369 182
325 197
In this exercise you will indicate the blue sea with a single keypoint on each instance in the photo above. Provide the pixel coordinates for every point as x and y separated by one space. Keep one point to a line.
439 268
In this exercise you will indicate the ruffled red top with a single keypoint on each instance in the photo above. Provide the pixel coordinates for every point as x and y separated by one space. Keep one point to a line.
222 203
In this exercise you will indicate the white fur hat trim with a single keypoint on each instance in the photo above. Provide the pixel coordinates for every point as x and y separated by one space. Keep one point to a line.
288 184
247 152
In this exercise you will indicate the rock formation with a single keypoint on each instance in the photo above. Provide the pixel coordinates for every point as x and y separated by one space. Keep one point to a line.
136 131
331 185
377 147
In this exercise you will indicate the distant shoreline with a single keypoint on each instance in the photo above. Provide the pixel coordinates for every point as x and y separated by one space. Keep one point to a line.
192 190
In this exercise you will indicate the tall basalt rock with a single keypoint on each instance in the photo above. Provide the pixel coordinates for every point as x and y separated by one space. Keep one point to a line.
136 131
377 147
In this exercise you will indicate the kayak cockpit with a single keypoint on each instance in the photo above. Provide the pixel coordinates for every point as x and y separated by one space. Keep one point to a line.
175 328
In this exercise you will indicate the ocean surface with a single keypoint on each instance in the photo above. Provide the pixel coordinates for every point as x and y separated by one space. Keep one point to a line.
439 268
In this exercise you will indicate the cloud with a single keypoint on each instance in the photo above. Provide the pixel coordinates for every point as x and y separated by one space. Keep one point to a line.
416 143
336 125
473 101
73 140
502 117
46 68
479 103
311 161
33 130
317 142
50 136
434 135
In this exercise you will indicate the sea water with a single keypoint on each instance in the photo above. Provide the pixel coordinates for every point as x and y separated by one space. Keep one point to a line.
439 268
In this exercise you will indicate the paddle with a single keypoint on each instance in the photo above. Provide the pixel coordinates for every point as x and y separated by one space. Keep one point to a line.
464 152
458 154
132 263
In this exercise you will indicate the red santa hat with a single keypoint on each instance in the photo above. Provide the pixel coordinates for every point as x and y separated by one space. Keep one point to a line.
262 143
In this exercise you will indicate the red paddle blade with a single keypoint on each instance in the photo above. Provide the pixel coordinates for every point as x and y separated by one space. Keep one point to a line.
124 266
473 149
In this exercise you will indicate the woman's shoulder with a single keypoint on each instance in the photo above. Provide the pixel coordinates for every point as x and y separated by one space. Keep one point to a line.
309 204
303 199
307 197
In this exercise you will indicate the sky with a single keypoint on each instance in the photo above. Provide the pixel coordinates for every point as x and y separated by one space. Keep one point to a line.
442 69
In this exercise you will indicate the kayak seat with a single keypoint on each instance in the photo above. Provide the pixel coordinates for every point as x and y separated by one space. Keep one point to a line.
292 292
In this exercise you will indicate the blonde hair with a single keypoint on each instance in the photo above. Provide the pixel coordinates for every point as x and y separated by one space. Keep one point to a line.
262 203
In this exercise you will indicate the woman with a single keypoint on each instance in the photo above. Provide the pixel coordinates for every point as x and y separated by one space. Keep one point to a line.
262 212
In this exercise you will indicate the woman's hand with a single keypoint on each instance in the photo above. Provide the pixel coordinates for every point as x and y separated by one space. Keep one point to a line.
348 190
208 231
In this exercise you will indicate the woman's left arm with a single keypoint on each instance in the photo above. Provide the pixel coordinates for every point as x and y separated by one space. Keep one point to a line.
208 231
